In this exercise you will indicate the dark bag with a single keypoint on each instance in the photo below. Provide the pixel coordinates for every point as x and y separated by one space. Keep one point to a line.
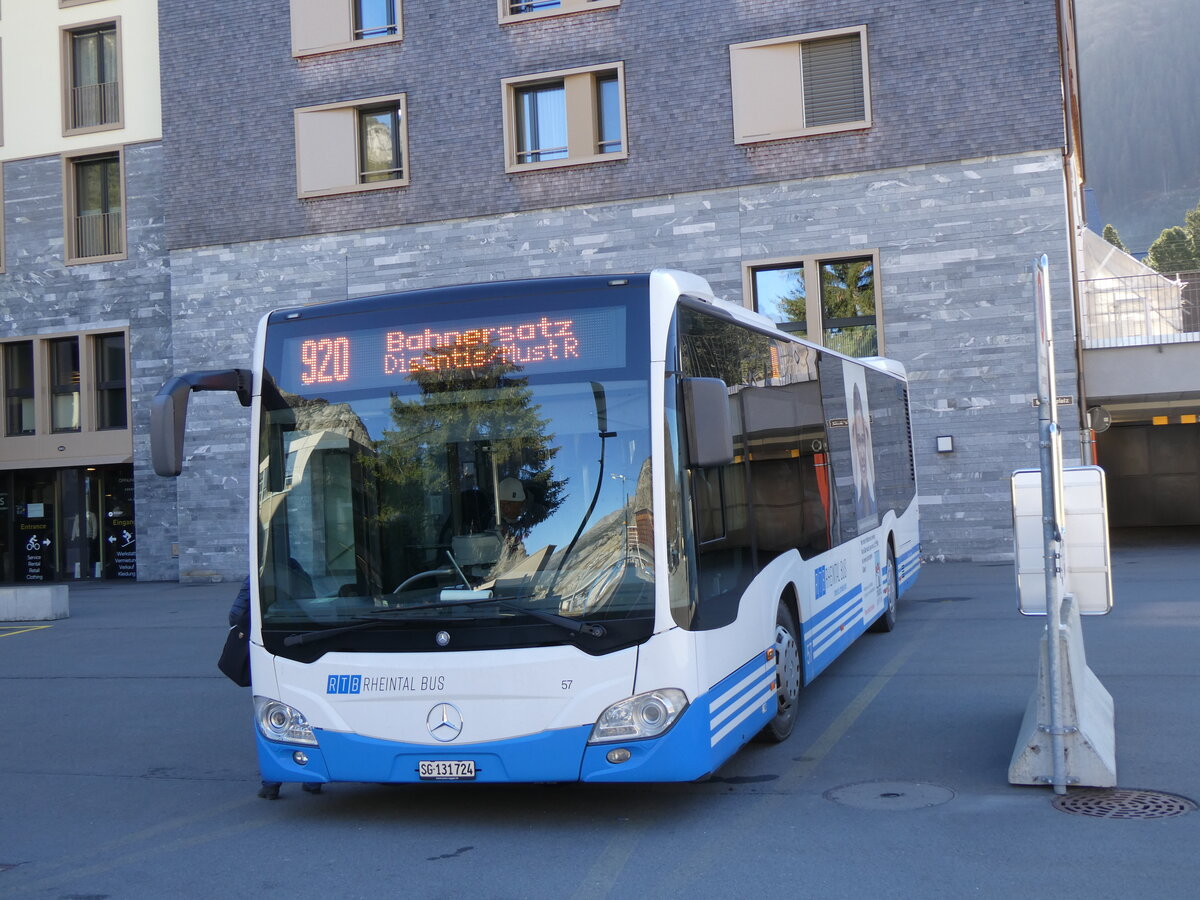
235 655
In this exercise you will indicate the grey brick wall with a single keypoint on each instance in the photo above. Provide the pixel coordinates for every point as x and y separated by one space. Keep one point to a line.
39 295
956 242
950 80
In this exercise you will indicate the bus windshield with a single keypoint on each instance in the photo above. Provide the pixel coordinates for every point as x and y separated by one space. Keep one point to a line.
404 461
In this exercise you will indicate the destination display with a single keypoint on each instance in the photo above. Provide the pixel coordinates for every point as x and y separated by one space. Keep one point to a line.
389 355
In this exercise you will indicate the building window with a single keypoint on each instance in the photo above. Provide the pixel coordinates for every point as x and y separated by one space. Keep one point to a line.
64 384
19 417
608 111
1 145
66 399
800 85
92 77
95 208
541 122
374 18
2 217
111 382
379 153
829 301
356 146
564 118
324 26
514 10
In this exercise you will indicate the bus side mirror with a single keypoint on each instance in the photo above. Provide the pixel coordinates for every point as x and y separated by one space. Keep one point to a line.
709 431
168 412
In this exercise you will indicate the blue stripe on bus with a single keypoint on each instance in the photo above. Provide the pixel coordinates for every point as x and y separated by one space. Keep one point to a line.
817 660
753 685
834 607
908 566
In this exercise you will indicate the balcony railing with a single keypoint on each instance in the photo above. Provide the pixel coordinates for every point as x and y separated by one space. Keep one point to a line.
98 234
1139 310
517 7
93 105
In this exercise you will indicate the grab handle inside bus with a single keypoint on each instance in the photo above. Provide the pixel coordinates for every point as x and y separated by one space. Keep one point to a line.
709 431
168 412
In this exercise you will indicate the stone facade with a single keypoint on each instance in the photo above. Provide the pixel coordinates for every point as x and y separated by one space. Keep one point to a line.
41 295
955 242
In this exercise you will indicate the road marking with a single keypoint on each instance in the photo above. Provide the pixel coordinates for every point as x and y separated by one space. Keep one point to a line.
142 846
602 878
64 879
25 629
812 757
611 863
688 873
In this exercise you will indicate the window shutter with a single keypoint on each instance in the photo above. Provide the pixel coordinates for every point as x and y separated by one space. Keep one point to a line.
326 149
320 23
833 81
766 99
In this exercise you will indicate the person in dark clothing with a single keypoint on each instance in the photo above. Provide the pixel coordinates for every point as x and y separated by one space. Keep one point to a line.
241 605
239 615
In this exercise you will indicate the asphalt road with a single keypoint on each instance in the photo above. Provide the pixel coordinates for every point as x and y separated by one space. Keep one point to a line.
127 771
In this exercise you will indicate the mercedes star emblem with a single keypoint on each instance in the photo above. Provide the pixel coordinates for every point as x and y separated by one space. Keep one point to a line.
442 638
444 722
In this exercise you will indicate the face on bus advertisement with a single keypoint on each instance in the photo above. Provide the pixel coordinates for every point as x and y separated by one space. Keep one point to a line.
862 453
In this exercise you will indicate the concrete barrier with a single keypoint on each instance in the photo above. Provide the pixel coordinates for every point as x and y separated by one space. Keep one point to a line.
34 603
1088 718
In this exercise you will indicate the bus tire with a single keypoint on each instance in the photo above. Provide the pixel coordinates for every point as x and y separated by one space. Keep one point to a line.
787 676
891 587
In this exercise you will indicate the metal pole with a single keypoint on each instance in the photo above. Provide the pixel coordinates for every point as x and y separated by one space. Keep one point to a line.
1050 442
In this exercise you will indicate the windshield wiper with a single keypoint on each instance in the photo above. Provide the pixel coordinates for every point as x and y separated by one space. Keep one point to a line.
386 615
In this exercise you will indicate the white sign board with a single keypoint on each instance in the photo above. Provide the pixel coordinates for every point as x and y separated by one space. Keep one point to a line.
1085 540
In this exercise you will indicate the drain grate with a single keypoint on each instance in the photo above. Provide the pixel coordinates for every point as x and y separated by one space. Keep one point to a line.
1122 803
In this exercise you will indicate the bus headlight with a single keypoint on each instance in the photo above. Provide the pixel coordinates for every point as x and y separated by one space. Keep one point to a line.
280 722
644 716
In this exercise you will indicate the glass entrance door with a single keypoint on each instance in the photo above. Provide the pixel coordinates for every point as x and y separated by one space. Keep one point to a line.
73 524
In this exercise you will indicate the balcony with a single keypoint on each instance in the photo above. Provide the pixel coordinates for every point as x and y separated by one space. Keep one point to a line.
1139 310
1140 335
98 235
95 105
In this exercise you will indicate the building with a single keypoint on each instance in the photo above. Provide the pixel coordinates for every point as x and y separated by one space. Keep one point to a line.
84 287
839 164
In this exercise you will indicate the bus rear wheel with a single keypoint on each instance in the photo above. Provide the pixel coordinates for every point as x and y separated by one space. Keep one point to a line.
787 677
891 590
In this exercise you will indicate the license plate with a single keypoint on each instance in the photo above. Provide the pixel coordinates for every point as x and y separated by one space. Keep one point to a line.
446 769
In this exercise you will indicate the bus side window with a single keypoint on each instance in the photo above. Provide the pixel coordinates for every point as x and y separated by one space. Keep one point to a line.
895 480
785 436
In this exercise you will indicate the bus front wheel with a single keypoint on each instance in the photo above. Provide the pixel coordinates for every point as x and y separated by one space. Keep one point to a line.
787 676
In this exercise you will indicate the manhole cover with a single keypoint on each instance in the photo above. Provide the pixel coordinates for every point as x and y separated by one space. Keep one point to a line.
1120 803
890 795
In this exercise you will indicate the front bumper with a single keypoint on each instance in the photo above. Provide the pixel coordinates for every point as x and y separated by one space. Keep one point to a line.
706 734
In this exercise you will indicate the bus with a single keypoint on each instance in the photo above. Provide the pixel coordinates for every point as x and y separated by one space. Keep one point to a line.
596 529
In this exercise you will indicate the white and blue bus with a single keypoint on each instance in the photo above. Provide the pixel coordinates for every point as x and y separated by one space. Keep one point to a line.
565 529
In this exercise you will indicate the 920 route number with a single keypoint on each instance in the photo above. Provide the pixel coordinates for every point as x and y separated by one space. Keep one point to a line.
446 769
